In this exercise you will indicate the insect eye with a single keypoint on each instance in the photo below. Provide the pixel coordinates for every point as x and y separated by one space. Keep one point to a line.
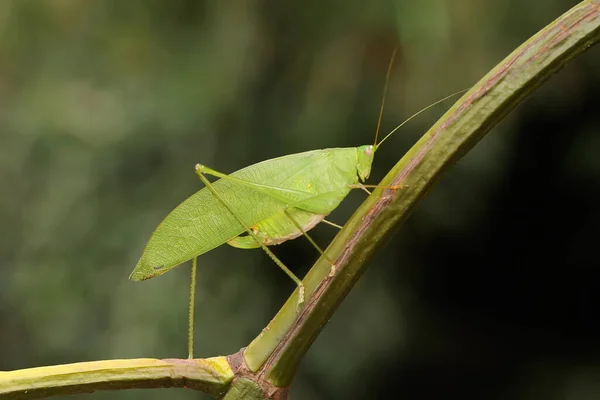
369 150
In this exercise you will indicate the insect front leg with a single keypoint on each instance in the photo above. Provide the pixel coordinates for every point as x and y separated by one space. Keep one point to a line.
364 187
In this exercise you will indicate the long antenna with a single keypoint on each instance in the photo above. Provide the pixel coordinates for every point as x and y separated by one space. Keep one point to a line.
419 112
387 79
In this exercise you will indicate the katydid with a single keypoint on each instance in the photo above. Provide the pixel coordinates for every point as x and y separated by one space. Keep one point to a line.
258 206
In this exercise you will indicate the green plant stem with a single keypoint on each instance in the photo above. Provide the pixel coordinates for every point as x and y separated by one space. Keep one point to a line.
280 347
212 375
271 360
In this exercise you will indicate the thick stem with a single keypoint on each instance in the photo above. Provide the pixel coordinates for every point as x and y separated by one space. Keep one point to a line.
280 347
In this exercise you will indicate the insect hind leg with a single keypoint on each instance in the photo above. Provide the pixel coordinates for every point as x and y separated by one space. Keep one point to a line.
280 264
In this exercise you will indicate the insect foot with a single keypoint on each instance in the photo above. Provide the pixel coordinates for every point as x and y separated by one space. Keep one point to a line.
300 296
333 270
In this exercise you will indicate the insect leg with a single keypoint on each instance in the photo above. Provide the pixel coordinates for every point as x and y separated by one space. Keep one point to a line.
332 224
364 187
306 235
251 232
191 310
361 187
393 187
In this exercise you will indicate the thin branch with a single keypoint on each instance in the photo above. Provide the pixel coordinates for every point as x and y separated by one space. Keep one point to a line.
212 375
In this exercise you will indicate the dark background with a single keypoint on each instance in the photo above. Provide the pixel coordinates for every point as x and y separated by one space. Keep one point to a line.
489 291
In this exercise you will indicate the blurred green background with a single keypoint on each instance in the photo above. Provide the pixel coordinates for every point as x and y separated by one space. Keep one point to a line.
489 291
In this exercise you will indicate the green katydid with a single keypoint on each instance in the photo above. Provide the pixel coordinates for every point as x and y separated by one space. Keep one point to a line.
258 206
